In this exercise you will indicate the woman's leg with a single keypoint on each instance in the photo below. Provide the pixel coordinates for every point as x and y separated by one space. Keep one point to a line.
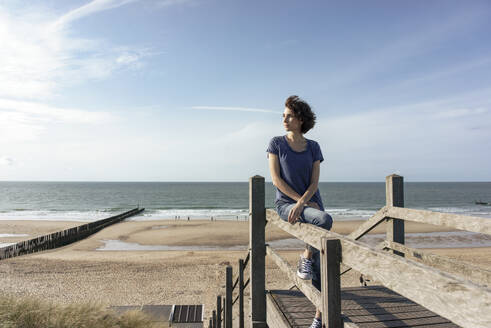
322 220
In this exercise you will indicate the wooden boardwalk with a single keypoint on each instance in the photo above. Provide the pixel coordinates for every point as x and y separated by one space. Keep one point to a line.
366 307
417 288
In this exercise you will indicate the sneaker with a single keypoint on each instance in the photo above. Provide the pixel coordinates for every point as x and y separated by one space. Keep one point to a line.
317 323
304 270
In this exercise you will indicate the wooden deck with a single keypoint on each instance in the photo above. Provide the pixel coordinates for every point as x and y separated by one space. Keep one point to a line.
365 307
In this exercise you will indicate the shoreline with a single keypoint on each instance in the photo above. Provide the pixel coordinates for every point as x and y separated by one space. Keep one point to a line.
226 235
161 276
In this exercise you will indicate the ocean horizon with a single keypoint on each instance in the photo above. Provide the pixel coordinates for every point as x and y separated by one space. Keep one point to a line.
89 201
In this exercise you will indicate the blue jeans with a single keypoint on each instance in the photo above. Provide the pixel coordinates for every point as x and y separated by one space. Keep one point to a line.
312 216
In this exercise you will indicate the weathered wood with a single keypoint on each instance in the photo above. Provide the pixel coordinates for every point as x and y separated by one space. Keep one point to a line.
331 283
64 237
465 270
371 223
460 301
224 306
305 286
257 251
371 313
219 311
461 222
394 194
228 298
241 293
275 317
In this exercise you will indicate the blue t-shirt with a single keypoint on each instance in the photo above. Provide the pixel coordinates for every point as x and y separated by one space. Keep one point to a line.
296 168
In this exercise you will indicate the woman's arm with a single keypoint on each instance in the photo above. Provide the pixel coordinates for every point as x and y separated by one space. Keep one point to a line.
305 199
314 183
278 182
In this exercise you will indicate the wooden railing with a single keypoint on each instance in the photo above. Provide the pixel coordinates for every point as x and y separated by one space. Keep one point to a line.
224 310
457 291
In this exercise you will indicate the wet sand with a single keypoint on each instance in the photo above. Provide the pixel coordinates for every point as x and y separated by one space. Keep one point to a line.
80 273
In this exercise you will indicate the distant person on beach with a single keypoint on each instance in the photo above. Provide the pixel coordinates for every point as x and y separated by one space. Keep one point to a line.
294 164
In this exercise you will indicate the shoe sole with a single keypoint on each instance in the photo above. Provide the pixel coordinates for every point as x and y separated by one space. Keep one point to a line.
304 276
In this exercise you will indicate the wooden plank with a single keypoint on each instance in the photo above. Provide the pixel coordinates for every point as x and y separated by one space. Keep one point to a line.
241 293
331 283
461 222
394 193
275 317
219 311
393 310
458 300
304 312
465 270
371 223
159 313
305 286
391 316
257 248
228 297
405 322
372 299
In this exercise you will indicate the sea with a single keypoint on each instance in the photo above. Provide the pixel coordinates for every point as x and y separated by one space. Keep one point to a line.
90 201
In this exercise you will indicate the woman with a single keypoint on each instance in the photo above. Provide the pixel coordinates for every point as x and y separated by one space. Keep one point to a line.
294 163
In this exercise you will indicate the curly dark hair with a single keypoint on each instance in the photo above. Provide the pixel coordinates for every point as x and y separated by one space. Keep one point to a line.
302 111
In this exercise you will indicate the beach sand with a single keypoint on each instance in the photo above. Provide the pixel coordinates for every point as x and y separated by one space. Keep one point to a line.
80 273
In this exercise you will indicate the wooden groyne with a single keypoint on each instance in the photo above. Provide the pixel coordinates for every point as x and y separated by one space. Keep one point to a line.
64 237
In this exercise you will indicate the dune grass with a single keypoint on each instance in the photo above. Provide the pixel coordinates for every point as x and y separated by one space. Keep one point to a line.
33 313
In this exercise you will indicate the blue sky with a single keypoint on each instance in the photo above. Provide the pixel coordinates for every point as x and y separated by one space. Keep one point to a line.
185 90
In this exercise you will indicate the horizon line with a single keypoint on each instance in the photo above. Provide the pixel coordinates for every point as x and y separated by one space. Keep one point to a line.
236 181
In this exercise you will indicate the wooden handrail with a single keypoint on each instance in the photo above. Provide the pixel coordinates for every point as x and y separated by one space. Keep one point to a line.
455 221
468 271
454 298
305 286
370 224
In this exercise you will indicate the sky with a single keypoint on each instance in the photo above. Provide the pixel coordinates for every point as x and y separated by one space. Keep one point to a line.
188 90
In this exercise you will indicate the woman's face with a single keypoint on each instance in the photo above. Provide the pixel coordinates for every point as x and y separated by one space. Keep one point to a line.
290 121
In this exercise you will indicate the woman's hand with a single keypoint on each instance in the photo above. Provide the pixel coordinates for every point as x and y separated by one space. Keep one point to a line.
295 212
314 205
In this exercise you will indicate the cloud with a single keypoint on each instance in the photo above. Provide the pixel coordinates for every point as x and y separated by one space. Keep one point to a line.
6 161
460 112
40 55
26 121
45 112
236 109
89 9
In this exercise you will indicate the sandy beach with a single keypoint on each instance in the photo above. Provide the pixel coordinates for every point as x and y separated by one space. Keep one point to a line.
81 273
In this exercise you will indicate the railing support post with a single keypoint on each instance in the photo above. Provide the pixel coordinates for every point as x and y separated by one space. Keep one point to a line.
219 312
228 298
331 283
241 293
257 250
394 193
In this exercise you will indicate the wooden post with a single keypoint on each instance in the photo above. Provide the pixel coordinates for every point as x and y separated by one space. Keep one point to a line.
219 311
211 323
214 319
257 248
241 293
224 307
331 283
394 193
228 298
